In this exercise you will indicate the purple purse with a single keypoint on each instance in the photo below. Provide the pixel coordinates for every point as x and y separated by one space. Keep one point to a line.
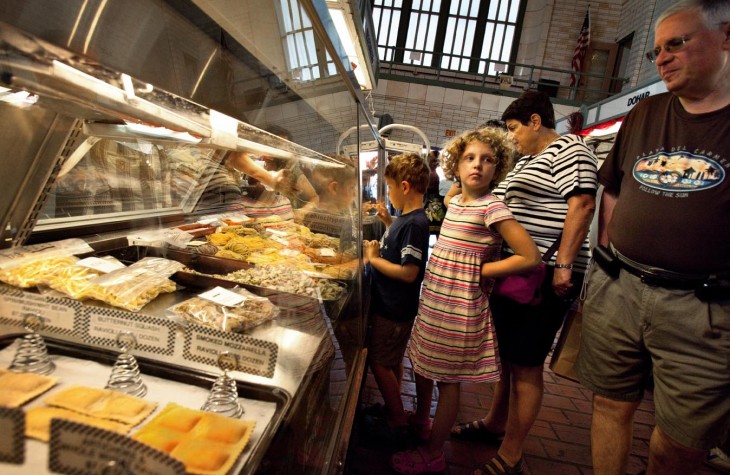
522 288
525 288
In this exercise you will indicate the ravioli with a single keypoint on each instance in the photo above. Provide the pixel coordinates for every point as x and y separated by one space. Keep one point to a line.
207 443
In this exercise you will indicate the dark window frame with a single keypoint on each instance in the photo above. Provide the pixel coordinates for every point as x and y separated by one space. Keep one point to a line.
476 57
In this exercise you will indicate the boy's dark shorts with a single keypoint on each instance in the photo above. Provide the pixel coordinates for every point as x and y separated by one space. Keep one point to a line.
388 341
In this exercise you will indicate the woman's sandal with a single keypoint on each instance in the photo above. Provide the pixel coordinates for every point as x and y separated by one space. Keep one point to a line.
415 462
476 431
498 466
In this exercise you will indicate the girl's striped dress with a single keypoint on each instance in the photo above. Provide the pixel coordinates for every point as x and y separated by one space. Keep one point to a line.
453 338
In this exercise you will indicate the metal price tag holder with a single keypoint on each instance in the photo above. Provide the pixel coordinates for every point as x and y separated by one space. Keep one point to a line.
223 398
32 354
125 376
79 449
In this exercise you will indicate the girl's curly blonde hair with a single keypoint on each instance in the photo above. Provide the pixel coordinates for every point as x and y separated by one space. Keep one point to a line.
497 139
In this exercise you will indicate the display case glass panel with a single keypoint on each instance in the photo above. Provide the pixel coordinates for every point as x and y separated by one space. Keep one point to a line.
204 133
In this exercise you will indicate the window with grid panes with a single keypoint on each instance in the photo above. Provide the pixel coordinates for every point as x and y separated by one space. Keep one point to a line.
457 35
302 55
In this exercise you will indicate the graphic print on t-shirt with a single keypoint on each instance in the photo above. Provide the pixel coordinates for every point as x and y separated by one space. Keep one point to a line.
678 171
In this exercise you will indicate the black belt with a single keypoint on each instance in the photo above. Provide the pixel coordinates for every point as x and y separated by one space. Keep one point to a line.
656 280
613 262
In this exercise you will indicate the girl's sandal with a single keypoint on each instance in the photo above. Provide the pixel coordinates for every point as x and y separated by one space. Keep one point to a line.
498 466
415 462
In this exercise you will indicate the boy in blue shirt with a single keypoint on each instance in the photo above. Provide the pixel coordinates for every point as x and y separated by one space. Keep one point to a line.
398 262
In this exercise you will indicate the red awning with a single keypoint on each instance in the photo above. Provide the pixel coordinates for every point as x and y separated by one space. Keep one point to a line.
604 128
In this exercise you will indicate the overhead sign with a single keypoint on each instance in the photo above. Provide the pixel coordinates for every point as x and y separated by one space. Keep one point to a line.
613 107
621 105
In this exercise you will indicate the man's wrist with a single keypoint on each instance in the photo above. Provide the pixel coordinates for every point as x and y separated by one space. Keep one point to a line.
564 266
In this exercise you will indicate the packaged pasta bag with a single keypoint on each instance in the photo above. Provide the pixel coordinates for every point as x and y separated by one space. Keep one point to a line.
135 286
28 266
75 280
234 310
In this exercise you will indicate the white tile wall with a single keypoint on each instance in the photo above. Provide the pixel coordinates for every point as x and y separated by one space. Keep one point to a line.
435 94
417 92
453 97
471 100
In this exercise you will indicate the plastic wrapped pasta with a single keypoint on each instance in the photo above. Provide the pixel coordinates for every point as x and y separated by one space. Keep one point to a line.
75 280
35 272
28 266
251 311
133 287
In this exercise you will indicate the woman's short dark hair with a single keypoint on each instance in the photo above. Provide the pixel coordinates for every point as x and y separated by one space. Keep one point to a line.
531 102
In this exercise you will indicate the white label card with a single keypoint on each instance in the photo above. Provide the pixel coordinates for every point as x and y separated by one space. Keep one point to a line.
154 335
222 296
207 221
99 264
280 240
252 356
327 252
58 314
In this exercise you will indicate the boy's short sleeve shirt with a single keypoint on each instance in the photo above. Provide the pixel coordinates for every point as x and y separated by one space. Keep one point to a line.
404 242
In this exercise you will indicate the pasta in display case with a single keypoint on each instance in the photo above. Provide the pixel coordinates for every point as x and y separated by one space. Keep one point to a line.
181 278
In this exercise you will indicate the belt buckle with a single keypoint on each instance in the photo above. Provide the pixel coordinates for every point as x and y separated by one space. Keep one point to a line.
651 280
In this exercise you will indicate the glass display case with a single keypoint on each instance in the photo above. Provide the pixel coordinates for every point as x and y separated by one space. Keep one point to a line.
174 207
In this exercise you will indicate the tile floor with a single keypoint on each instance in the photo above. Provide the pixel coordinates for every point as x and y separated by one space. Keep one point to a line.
559 443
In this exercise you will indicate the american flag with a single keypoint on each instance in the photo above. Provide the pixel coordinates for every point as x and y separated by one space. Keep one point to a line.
584 38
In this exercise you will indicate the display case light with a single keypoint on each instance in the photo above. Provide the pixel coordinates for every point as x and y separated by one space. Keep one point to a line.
17 98
342 18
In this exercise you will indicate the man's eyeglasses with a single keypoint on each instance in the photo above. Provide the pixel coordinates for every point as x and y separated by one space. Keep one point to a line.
671 46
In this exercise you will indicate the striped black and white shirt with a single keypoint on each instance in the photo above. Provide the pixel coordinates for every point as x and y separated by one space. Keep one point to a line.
537 189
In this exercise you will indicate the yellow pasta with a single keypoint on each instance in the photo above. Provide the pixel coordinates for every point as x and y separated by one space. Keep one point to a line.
220 239
226 254
35 272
